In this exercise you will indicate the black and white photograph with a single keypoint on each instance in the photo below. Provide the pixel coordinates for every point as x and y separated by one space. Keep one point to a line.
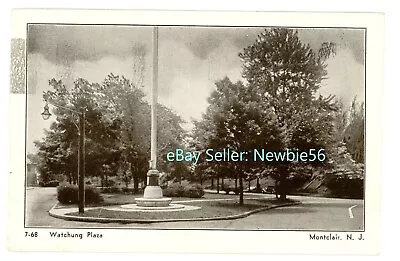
185 127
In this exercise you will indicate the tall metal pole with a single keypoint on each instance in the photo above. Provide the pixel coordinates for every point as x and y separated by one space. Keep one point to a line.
154 95
153 196
81 170
153 190
81 150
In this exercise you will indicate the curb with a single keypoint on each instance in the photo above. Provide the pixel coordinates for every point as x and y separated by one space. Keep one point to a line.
127 221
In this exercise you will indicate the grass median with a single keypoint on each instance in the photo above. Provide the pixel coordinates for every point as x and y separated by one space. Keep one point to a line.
212 206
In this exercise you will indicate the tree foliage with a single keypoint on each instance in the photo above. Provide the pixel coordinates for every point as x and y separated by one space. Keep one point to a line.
117 130
59 148
354 133
235 120
278 108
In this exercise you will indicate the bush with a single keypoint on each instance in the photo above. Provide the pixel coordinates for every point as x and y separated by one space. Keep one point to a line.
113 190
52 183
129 190
174 190
295 182
227 190
92 195
234 190
68 194
190 191
108 183
193 191
343 186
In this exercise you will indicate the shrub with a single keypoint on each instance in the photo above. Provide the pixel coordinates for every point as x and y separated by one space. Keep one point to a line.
108 183
51 183
129 190
68 194
113 190
295 182
343 186
193 191
190 191
231 189
174 190
228 189
92 195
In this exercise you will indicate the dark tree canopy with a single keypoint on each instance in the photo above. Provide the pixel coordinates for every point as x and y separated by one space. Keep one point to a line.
117 131
278 108
236 119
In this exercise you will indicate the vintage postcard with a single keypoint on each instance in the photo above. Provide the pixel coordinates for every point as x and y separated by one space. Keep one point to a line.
195 132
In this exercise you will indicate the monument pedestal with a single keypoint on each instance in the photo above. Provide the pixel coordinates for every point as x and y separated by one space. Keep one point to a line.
153 202
153 196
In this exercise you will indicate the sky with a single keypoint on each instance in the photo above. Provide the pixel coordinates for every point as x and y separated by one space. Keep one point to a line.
190 60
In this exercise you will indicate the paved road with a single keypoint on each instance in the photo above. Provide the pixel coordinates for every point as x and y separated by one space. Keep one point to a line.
314 213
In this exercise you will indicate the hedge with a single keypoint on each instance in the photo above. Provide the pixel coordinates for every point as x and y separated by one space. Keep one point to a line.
342 186
177 190
68 194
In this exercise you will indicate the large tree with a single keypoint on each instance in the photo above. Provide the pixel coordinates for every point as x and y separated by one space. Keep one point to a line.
117 130
354 133
236 119
58 150
125 103
287 75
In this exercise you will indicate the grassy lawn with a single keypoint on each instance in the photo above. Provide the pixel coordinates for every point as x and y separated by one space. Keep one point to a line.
122 199
227 206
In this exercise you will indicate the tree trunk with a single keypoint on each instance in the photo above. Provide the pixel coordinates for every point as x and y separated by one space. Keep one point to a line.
241 190
135 177
236 178
222 183
283 184
249 184
212 182
217 185
135 184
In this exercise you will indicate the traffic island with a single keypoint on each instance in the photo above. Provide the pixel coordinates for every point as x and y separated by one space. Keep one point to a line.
188 210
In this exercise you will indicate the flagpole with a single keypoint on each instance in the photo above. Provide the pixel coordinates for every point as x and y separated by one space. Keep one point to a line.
153 196
154 94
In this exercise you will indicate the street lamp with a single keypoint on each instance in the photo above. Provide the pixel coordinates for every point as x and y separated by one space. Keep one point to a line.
46 114
81 154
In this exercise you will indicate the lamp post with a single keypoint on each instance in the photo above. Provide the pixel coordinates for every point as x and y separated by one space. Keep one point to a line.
81 152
